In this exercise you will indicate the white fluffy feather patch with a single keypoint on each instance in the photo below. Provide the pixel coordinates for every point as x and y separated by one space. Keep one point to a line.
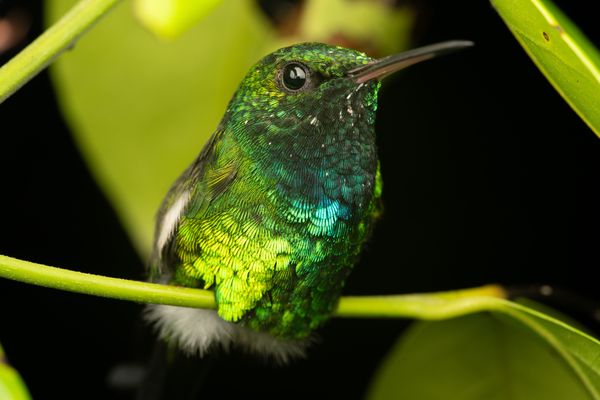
196 331
170 220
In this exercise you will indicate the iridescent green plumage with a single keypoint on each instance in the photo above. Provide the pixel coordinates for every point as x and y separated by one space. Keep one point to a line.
283 196
275 210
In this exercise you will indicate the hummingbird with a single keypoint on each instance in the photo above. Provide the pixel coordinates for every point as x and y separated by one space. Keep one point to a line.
275 210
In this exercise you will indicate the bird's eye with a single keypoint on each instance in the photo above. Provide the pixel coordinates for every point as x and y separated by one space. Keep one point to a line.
294 77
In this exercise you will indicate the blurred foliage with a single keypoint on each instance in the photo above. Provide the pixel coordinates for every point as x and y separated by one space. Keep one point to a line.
490 356
170 18
564 55
375 26
141 108
370 26
12 386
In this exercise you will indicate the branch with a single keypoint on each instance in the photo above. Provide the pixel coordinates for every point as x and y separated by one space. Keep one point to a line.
50 44
97 285
423 306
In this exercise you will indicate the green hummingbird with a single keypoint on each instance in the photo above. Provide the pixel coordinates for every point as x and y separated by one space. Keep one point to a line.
273 213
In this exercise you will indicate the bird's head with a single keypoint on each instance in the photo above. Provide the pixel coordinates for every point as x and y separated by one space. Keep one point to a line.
319 83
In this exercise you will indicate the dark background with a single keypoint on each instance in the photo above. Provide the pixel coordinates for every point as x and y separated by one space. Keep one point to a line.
489 177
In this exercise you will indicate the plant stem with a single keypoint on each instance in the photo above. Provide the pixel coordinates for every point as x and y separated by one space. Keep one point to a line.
429 306
424 306
50 44
123 289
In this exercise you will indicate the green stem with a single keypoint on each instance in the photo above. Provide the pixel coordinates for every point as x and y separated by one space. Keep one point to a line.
429 306
122 289
424 306
50 44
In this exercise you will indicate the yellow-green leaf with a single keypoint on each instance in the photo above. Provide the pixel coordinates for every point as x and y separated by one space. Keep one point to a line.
12 386
375 24
170 18
566 57
515 353
141 108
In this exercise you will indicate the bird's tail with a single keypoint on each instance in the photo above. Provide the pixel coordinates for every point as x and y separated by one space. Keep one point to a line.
172 374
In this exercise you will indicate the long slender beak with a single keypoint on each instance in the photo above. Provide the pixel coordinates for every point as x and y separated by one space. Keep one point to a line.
383 67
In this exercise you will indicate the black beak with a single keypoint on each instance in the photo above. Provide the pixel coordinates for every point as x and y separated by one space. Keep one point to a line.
383 67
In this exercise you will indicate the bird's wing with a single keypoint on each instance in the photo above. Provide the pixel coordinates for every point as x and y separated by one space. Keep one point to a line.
207 178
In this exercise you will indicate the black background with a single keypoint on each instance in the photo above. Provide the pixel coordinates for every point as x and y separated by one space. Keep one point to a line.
489 177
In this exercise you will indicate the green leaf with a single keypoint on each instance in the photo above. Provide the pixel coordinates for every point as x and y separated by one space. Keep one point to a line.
170 18
12 386
565 56
376 25
512 353
142 108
